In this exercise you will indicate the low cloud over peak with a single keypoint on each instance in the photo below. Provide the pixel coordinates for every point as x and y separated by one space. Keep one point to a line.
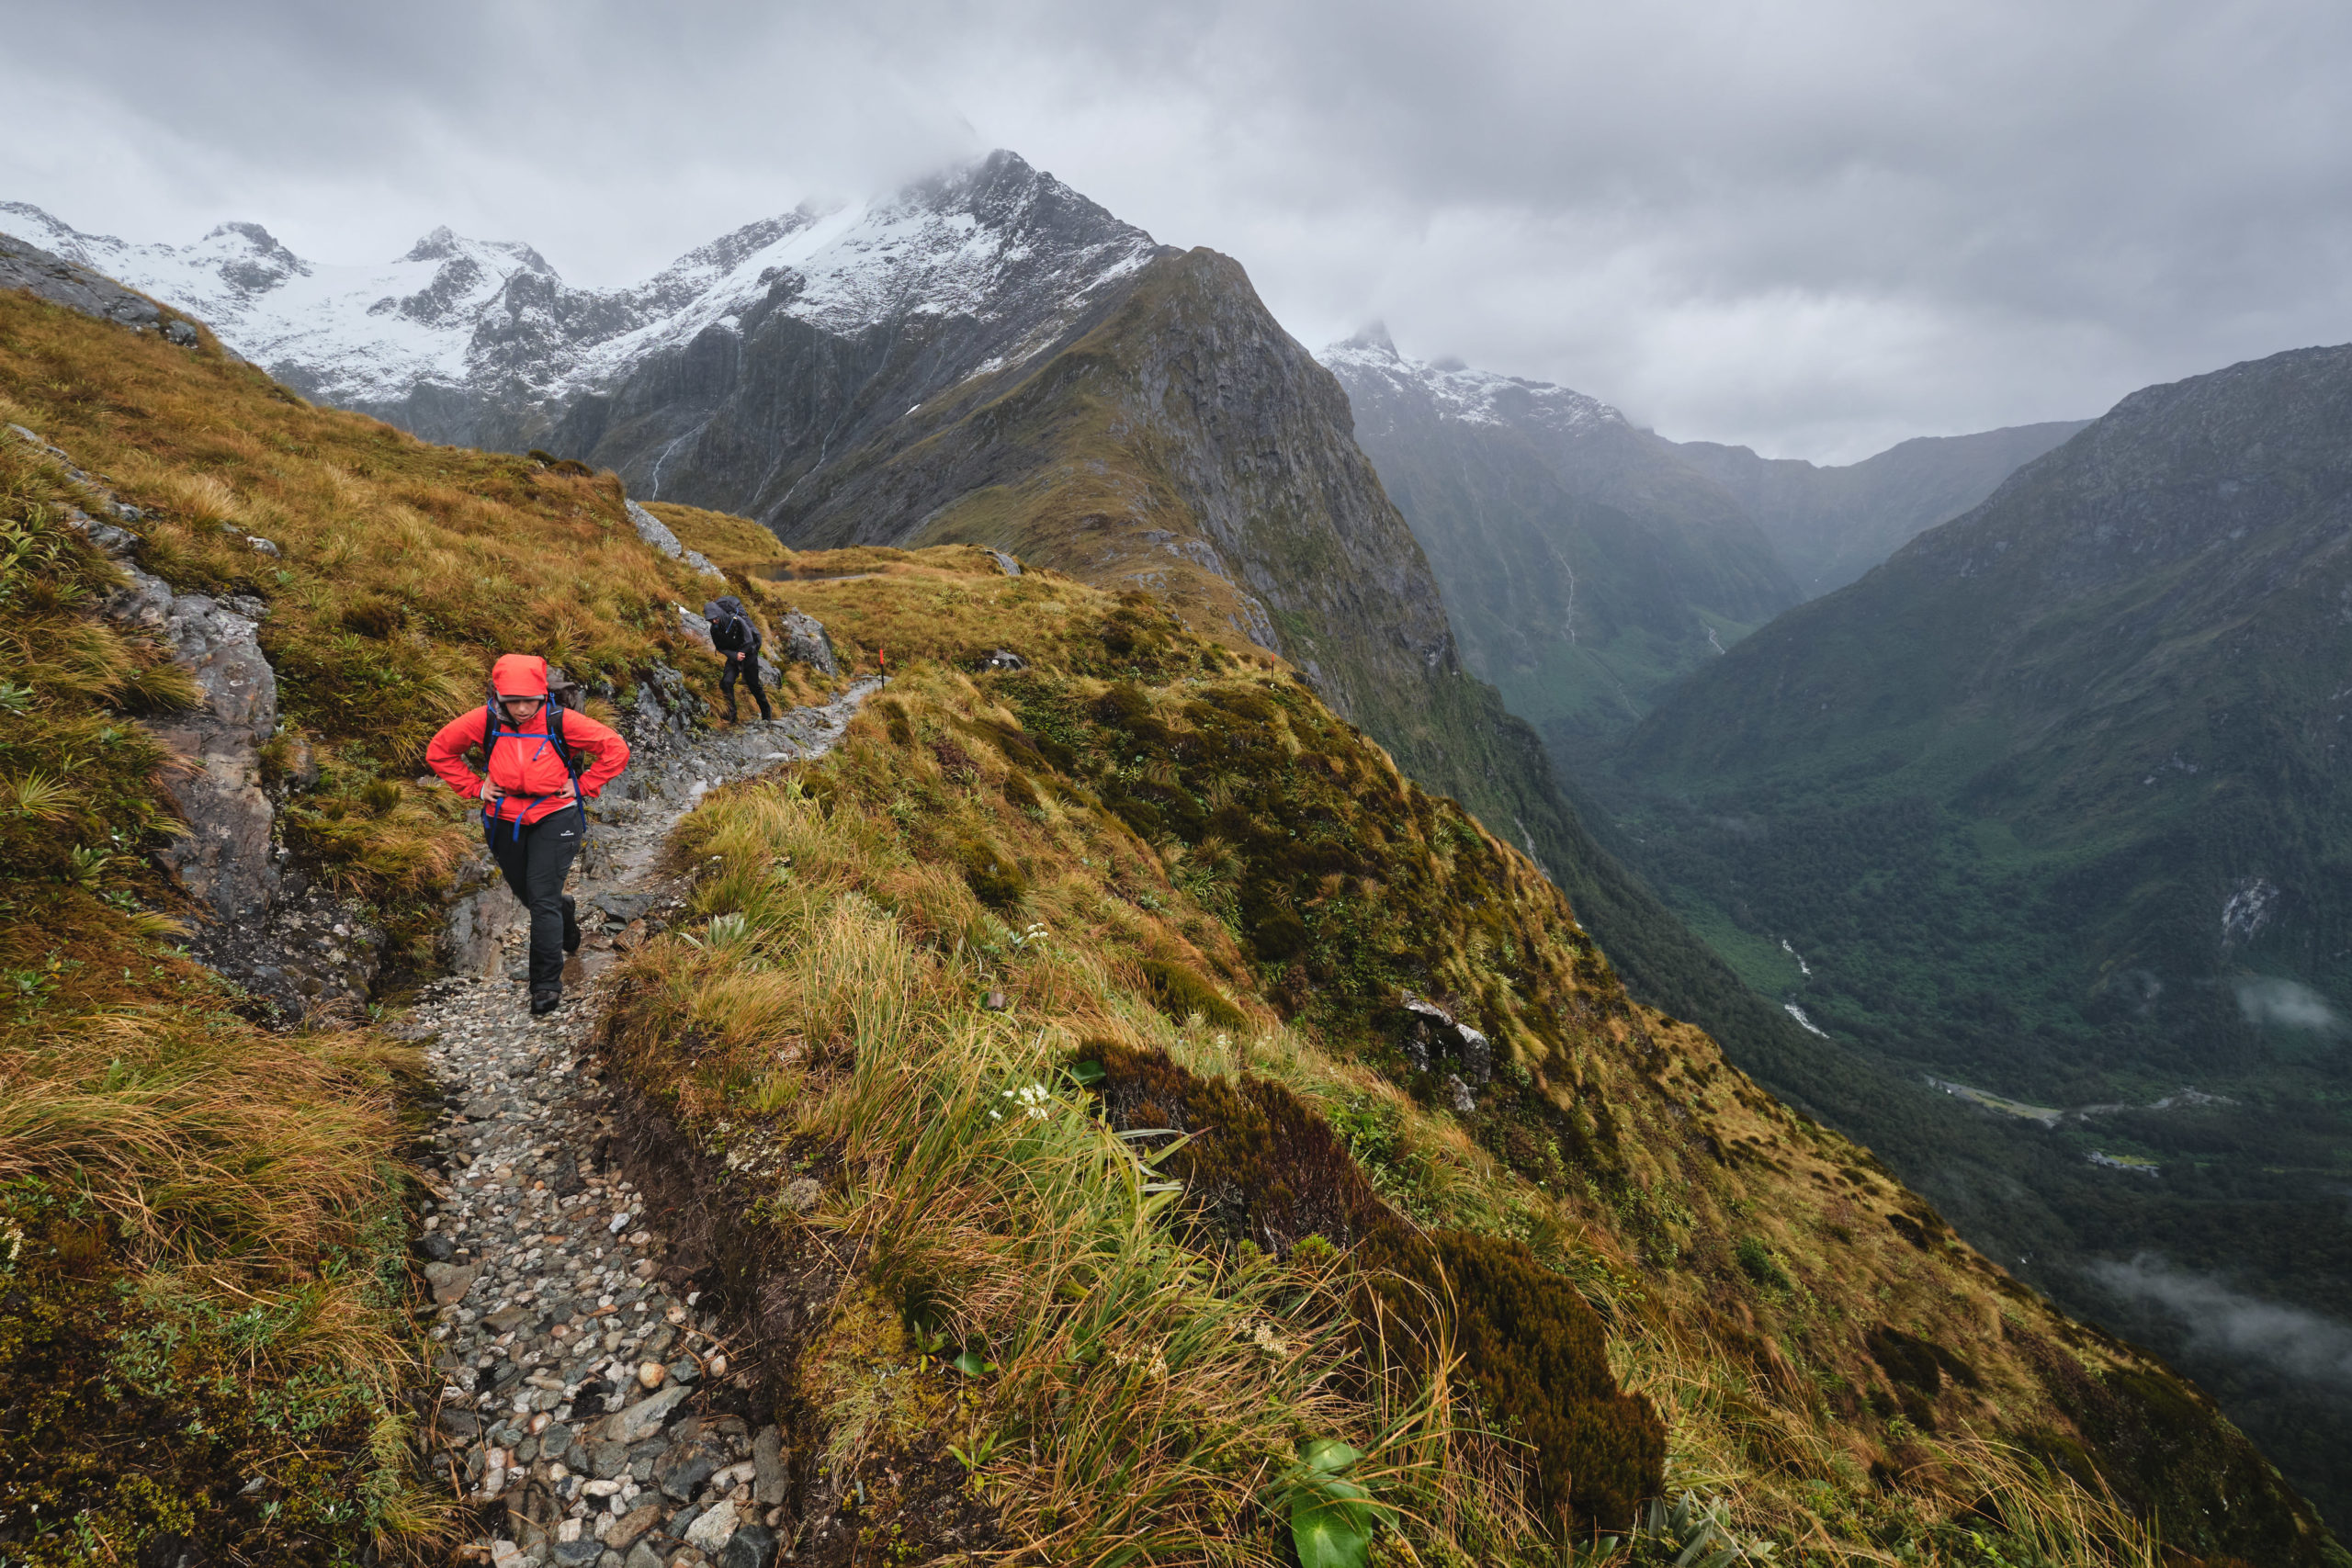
1813 230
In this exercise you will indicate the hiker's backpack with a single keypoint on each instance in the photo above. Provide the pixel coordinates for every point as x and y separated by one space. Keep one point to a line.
732 630
551 716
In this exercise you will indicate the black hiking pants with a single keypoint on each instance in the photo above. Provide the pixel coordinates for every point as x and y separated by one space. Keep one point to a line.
747 666
535 862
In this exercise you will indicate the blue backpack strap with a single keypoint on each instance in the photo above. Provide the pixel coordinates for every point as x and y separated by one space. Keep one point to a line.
489 744
554 712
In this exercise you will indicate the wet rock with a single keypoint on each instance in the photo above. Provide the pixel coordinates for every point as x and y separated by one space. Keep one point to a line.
767 1466
450 1281
681 1471
752 1546
666 708
802 638
713 1530
225 859
644 1418
631 1525
482 909
1475 1055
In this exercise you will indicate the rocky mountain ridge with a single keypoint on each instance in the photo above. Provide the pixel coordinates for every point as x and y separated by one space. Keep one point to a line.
460 337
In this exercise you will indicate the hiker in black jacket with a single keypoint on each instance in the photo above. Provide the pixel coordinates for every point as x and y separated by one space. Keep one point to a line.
738 642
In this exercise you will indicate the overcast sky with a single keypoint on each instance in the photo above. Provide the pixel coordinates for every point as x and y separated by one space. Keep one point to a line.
1813 227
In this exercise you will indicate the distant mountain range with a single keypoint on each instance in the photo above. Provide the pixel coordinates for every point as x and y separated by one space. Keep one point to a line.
1589 563
1831 524
2055 805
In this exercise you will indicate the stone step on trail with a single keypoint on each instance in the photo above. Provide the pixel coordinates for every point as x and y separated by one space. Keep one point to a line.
582 1400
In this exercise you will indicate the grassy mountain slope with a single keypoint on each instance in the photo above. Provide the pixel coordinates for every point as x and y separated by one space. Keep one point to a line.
1148 856
1147 841
202 1238
1831 524
2051 806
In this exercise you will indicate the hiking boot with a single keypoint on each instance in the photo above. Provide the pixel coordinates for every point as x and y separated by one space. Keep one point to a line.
766 712
571 925
545 1002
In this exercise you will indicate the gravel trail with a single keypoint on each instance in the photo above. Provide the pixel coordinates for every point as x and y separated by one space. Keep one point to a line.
576 1403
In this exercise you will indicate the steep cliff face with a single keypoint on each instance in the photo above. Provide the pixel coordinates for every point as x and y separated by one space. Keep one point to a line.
1831 524
1584 564
2055 805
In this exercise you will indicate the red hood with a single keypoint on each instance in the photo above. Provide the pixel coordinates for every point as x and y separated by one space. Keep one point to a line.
519 675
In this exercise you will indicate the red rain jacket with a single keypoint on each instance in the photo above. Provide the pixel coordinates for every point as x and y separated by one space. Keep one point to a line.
525 769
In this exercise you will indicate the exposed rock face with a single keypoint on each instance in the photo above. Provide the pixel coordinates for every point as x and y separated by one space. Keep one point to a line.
479 342
803 640
655 532
78 287
665 710
226 859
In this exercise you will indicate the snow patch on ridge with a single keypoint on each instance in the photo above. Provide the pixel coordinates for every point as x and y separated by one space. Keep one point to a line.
1474 396
457 311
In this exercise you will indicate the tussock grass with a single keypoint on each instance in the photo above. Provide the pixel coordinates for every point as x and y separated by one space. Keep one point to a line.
206 1268
831 1012
1144 1398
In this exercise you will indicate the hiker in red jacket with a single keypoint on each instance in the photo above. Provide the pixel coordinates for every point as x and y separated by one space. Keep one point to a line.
532 811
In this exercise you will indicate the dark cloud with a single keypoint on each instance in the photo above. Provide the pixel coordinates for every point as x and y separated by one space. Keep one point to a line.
1813 227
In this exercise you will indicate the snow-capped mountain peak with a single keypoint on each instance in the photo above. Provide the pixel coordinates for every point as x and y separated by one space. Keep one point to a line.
1369 361
995 238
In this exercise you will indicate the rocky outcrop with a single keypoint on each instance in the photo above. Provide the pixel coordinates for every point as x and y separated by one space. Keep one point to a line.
666 707
298 949
655 532
803 640
77 288
227 858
